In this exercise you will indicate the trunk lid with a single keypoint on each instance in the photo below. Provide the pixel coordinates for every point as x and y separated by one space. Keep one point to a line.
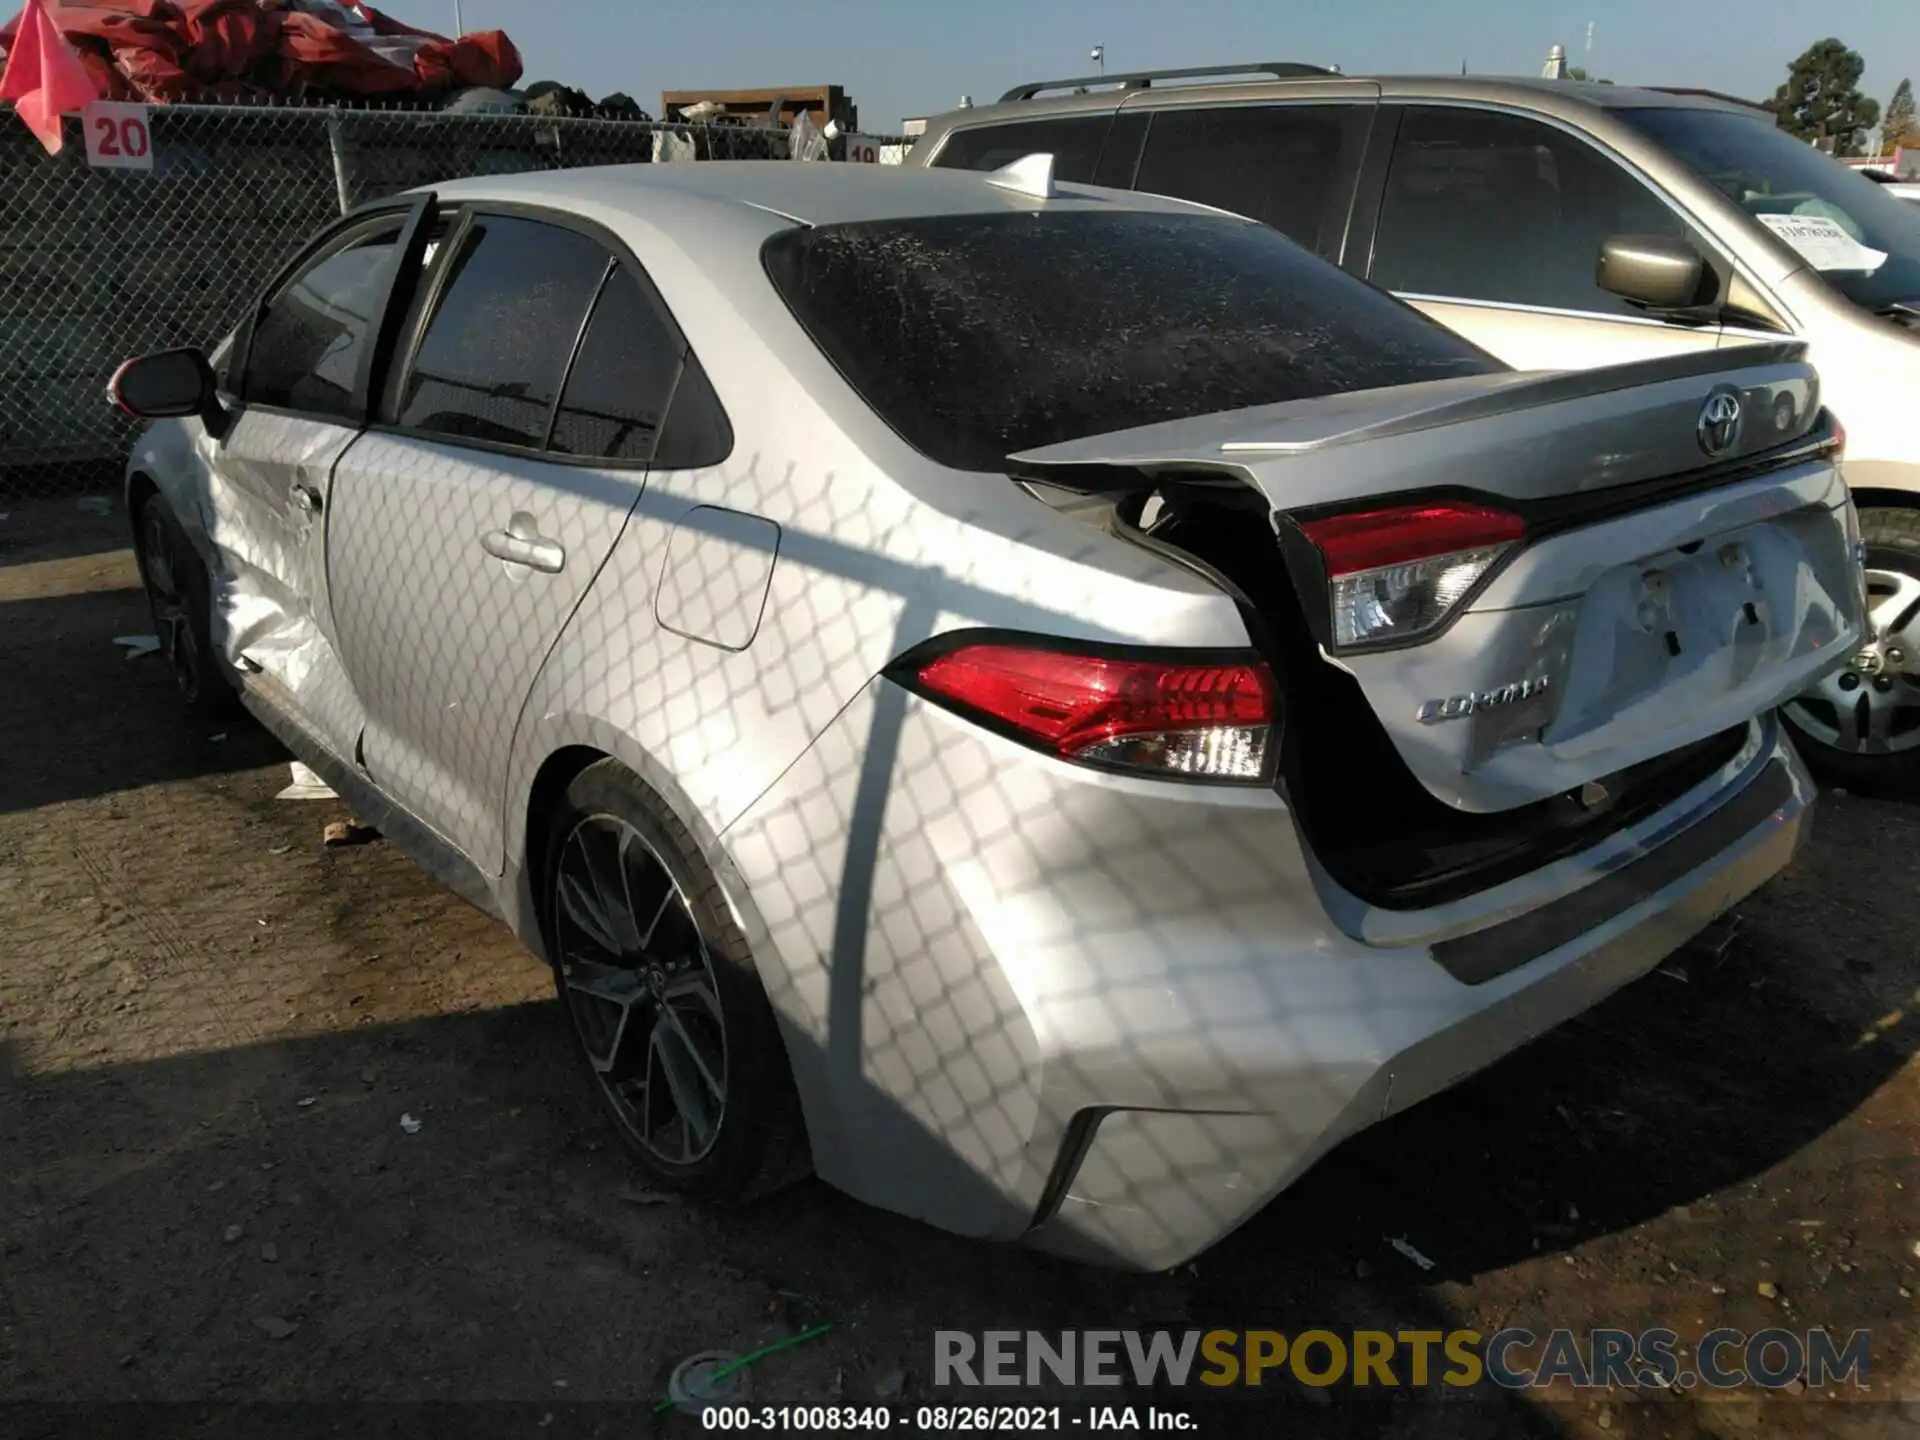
1680 570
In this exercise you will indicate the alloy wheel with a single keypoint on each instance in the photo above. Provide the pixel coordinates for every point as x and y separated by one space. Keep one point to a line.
1872 706
639 986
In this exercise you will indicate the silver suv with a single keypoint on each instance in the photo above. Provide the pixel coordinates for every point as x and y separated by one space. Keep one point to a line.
1560 226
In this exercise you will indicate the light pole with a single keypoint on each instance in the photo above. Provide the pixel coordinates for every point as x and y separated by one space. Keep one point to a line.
459 25
1099 57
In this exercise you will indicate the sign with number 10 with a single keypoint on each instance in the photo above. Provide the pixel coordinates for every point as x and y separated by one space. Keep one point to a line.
118 136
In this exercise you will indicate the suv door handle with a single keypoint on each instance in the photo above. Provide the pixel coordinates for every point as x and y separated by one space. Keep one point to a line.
533 551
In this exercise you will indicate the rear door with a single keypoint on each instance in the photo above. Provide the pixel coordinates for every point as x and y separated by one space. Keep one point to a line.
1491 222
471 518
1290 165
302 369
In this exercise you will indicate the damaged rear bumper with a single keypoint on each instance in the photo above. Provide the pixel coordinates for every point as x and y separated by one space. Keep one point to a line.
1151 1187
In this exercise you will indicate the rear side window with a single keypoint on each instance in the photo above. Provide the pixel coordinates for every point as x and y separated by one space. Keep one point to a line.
1288 166
309 342
1485 206
495 352
621 381
697 431
977 336
1074 141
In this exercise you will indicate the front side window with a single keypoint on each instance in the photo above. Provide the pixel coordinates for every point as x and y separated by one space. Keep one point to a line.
1862 240
1074 142
1485 206
311 338
495 352
1288 166
979 336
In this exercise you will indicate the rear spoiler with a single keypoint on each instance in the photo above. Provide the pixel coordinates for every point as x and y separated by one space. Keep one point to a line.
1292 427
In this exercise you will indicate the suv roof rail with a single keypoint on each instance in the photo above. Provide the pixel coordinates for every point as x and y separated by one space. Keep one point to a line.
1143 79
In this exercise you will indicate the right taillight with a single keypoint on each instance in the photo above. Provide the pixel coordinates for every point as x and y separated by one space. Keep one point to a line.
1154 715
1396 574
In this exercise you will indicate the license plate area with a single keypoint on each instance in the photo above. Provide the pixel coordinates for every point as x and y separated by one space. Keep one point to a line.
1661 637
1702 602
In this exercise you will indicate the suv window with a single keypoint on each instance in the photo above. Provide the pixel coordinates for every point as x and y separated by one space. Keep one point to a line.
495 352
1288 166
309 341
1484 206
622 378
958 330
1074 141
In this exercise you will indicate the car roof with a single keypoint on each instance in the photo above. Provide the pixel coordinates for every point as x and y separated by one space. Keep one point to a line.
1568 99
807 193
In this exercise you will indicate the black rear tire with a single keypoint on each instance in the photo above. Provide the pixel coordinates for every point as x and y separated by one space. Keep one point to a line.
180 596
757 1141
1824 721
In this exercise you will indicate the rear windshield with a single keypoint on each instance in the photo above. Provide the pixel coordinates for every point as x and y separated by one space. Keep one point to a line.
979 336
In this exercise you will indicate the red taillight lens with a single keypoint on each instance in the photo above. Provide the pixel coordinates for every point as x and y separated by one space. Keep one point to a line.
1152 715
1396 574
1372 539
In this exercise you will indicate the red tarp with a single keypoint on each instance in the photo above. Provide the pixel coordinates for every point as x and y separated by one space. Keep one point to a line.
161 50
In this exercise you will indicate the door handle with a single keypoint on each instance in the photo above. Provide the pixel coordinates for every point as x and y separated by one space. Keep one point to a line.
306 497
532 551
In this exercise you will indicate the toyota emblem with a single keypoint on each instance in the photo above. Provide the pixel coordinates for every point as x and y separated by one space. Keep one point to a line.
1720 418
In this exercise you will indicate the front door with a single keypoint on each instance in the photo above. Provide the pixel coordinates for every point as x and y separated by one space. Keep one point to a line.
300 398
1492 223
469 522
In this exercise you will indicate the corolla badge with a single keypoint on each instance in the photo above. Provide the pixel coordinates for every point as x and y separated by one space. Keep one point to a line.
1720 421
1457 707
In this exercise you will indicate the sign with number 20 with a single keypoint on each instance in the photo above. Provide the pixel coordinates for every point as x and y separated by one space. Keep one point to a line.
118 136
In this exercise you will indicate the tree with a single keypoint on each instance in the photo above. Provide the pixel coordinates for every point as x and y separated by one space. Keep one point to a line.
1900 127
1821 102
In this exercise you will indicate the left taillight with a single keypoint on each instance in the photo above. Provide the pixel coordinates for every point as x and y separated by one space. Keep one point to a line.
1163 715
1397 574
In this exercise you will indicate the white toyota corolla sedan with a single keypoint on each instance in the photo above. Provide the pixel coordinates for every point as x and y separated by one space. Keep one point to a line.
1049 706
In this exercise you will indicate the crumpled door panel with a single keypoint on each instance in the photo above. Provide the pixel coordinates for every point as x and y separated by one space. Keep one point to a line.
267 515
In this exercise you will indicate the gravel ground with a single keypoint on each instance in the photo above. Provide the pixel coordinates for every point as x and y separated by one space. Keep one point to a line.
211 1028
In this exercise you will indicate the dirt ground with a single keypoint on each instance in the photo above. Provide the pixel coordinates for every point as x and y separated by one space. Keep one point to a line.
211 1028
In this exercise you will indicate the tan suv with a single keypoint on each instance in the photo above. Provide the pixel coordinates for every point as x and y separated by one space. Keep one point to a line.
1560 226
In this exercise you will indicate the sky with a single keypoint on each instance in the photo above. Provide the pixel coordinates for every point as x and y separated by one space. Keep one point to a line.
918 57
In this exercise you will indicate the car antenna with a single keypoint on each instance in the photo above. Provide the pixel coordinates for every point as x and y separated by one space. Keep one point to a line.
1030 175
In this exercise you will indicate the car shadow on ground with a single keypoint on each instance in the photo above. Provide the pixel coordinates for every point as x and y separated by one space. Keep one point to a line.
50 527
111 721
160 1212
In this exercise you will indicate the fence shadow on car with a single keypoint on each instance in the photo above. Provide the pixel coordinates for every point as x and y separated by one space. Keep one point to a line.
1661 1097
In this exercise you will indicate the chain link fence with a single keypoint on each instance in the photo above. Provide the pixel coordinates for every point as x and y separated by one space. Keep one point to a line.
97 264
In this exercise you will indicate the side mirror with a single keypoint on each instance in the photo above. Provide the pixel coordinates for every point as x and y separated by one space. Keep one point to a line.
169 385
1657 271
